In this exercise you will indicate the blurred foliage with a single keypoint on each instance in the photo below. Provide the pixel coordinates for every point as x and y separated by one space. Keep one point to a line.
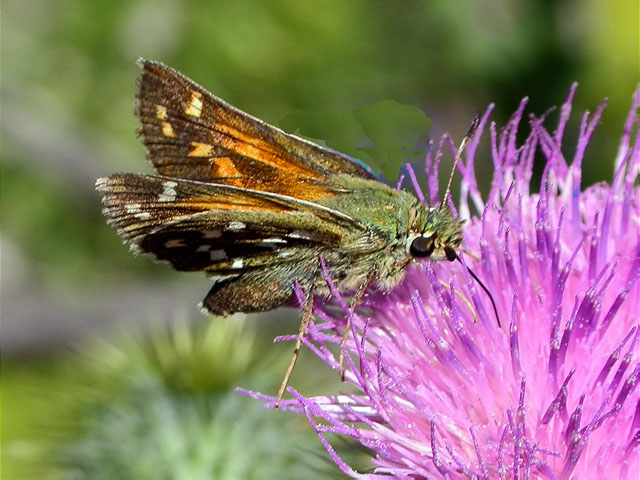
332 70
159 408
69 71
393 133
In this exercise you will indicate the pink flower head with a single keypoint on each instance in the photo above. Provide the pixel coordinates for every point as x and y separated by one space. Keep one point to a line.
443 392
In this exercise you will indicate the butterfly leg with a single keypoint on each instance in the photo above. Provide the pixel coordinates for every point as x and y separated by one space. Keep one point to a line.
347 328
304 323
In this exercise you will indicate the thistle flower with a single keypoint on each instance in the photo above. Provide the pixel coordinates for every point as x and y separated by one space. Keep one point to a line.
442 390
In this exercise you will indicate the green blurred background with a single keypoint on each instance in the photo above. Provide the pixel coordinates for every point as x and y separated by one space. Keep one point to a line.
109 370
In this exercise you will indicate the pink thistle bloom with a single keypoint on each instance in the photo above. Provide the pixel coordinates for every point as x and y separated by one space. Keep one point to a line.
443 392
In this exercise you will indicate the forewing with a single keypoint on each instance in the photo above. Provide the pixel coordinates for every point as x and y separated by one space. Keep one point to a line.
218 228
192 134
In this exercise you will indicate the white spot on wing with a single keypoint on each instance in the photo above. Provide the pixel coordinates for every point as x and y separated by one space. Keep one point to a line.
299 234
203 248
168 192
133 207
273 240
235 226
143 215
237 263
217 255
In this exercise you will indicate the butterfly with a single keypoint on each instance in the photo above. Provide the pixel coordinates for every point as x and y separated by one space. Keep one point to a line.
258 209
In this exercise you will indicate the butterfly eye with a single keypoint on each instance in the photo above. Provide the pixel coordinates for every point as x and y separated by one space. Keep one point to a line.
422 246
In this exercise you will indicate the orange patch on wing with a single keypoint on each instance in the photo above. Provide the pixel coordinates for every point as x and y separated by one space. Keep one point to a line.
226 168
201 150
267 153
231 205
167 130
195 105
161 112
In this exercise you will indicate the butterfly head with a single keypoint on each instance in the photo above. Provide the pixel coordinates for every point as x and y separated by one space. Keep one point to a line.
434 234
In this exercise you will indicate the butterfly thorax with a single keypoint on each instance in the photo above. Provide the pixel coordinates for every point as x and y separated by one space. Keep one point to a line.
399 230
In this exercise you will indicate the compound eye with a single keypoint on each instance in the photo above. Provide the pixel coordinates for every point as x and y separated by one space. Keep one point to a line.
422 246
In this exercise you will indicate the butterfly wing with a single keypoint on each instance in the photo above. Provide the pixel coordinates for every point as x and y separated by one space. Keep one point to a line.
234 197
192 134
218 228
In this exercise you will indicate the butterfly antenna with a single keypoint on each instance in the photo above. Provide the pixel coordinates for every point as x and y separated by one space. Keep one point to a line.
465 141
484 287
